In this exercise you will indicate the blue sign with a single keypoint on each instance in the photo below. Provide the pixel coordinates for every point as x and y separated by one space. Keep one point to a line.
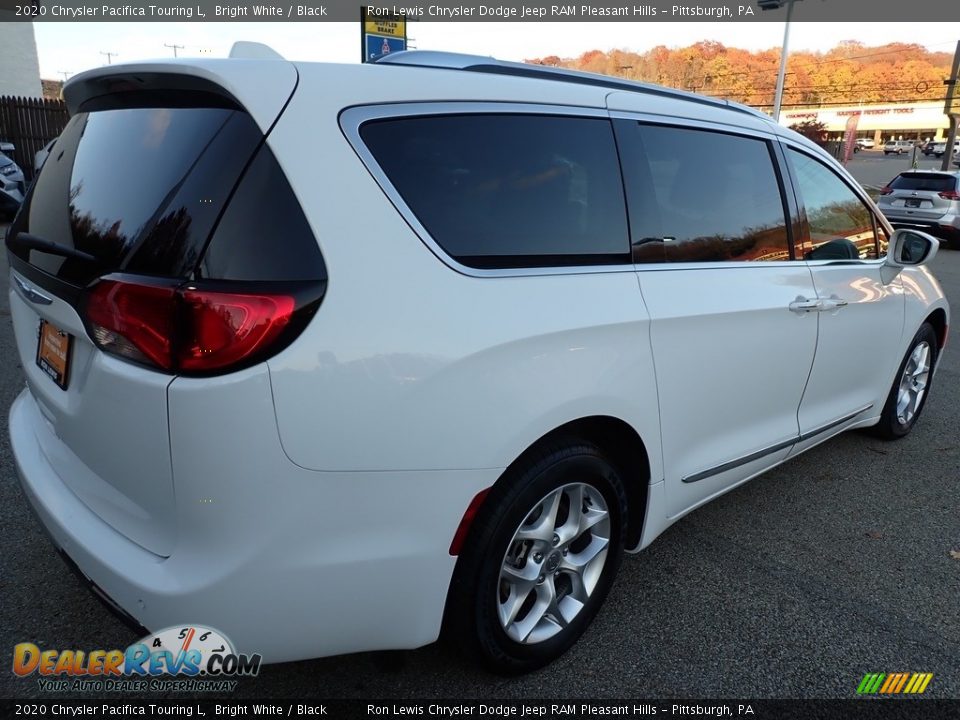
380 45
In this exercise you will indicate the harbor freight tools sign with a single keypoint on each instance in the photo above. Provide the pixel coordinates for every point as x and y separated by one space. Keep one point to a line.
736 11
381 32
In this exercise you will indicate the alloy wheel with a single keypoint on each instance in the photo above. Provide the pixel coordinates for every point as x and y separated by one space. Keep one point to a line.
913 383
553 563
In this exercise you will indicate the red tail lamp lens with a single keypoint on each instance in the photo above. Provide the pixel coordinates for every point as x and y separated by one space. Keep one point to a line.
184 330
226 328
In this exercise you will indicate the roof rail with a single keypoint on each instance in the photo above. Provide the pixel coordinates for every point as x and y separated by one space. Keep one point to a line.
479 63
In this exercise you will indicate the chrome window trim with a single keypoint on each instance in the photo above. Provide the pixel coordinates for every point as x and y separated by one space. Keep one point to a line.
352 118
694 124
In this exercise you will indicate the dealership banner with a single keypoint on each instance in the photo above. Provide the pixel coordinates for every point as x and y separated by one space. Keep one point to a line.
481 11
487 709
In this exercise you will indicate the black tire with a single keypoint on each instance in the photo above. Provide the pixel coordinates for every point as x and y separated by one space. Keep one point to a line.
891 427
472 618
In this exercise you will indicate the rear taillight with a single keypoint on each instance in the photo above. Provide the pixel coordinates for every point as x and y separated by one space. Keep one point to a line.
886 190
134 321
186 329
224 329
950 195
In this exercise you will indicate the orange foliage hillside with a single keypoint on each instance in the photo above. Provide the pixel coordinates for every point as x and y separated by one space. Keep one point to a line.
849 73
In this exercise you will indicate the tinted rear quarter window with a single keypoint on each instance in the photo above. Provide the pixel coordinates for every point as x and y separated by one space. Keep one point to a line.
508 190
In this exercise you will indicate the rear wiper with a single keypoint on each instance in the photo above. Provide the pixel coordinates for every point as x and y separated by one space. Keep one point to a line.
34 242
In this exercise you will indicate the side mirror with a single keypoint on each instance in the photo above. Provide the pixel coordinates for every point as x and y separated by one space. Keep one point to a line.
911 247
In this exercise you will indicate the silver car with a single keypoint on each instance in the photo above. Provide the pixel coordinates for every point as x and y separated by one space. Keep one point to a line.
898 147
924 199
12 184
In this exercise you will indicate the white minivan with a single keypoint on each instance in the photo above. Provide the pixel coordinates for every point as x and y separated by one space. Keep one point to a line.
331 357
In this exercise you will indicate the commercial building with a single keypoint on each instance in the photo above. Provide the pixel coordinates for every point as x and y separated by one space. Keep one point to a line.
19 66
896 121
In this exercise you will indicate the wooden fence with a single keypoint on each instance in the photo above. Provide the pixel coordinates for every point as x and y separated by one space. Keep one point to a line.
30 123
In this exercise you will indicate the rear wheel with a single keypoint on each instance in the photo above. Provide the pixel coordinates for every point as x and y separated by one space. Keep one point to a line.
541 557
910 388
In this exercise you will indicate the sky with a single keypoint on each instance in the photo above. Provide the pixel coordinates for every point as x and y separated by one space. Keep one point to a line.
74 47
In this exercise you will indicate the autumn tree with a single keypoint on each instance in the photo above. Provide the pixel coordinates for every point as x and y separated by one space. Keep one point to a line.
850 73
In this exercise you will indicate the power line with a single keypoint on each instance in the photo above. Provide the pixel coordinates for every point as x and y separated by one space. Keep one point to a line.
814 106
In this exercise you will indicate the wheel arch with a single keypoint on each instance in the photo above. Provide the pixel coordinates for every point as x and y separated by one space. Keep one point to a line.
622 445
938 320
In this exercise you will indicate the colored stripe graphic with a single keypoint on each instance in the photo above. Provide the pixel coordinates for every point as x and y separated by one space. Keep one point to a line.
903 681
894 683
890 682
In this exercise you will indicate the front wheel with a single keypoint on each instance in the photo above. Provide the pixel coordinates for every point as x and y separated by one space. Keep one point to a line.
910 388
540 559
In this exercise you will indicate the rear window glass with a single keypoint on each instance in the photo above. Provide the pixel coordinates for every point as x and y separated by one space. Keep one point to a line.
929 181
509 190
703 196
137 188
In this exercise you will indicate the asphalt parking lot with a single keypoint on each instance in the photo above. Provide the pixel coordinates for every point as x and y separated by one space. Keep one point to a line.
834 565
874 169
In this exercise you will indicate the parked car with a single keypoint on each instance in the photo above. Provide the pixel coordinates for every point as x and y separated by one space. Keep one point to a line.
12 185
410 368
865 143
41 157
898 147
940 148
927 148
925 199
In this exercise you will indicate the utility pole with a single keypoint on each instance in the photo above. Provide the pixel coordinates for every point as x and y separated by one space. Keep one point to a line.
175 48
948 110
781 73
110 56
66 74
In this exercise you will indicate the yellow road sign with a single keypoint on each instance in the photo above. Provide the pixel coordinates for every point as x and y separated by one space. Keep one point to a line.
389 28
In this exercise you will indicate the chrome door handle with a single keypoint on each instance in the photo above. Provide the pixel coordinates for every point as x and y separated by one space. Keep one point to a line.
804 305
832 303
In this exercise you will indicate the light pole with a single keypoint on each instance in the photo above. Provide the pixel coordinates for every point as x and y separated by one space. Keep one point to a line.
776 5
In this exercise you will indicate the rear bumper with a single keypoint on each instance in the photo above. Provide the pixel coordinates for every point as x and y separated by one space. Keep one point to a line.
291 564
947 226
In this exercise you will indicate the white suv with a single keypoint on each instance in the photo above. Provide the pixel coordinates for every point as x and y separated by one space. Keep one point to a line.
324 355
